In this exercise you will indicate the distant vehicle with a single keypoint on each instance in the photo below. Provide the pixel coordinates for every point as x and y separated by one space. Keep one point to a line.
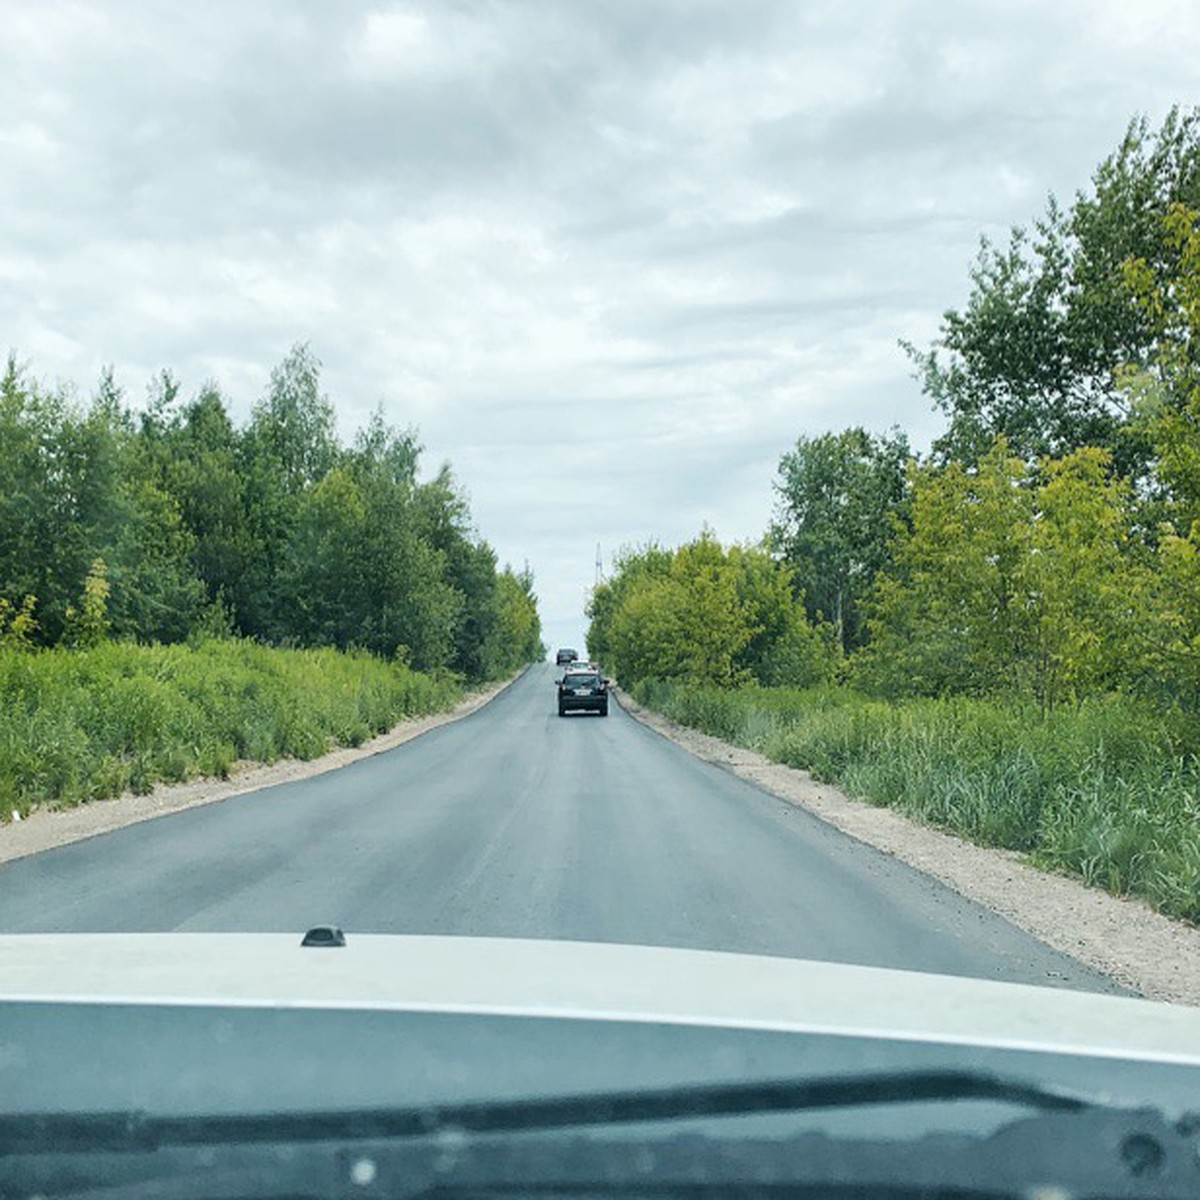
583 690
565 656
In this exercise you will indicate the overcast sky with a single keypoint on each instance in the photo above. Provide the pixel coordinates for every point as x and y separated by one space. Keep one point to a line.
611 259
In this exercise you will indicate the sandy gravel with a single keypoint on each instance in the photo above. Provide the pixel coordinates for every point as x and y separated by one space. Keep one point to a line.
45 828
1124 938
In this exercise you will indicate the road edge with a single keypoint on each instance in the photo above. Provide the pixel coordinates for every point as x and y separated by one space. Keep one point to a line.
1121 937
49 828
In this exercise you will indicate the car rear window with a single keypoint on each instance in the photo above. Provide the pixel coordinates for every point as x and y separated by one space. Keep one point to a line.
581 679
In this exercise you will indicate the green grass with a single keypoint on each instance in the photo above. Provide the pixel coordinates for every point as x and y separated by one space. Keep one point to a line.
1109 792
82 725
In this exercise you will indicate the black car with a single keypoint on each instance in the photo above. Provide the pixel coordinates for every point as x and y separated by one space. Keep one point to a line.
565 656
583 690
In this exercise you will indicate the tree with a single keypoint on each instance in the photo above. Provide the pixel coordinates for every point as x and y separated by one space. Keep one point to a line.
29 548
1035 355
288 447
713 624
18 625
1085 593
1012 578
633 569
87 626
442 518
413 603
836 497
294 421
155 592
784 649
1166 389
947 615
1166 396
704 614
677 616
176 523
324 579
515 633
204 472
61 470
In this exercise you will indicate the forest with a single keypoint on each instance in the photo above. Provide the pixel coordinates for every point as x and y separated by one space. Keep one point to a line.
1002 634
159 560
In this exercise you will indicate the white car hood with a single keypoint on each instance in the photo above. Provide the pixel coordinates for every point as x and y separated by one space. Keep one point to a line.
586 980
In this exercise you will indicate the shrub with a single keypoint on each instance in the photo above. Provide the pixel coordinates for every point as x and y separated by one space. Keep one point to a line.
84 724
1109 791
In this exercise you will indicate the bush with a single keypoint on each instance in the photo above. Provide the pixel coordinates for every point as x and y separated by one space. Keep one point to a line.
81 725
1109 791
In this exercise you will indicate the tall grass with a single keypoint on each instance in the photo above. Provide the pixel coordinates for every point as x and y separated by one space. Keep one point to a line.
81 725
1109 792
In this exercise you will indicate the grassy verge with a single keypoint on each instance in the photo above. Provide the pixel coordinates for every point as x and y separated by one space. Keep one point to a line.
1109 792
82 725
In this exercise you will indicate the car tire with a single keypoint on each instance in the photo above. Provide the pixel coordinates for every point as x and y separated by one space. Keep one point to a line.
604 711
562 712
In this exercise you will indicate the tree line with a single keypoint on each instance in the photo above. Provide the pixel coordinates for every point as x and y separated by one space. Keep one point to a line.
168 522
1048 545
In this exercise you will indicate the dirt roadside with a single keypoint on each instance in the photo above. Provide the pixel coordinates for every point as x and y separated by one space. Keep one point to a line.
1124 938
46 828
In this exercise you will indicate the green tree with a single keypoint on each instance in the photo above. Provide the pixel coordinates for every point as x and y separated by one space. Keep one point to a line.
705 614
1035 355
633 569
442 518
784 649
1166 389
1166 396
61 470
29 550
948 614
644 638
682 622
414 606
713 623
155 592
324 578
18 625
294 421
288 447
515 634
201 465
1013 579
176 524
836 498
1085 591
87 626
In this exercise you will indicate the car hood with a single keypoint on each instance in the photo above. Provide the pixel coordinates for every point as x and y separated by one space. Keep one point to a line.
586 981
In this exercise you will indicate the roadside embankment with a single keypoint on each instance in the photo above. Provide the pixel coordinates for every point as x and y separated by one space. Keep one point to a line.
91 741
1120 935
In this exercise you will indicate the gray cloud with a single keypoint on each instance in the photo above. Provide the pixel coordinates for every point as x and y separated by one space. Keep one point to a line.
645 244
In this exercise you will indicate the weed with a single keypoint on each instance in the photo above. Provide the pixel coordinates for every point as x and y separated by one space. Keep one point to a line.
80 725
1109 791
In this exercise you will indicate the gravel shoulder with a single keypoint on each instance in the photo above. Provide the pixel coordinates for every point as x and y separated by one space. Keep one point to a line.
1124 938
47 828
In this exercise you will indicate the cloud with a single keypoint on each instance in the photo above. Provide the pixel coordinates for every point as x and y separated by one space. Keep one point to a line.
612 259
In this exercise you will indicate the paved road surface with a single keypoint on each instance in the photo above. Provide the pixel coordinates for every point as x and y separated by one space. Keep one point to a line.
514 822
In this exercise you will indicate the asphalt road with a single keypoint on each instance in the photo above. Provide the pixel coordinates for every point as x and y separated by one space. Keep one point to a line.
514 822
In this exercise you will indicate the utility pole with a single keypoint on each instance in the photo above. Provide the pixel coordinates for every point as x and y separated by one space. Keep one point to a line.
599 567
